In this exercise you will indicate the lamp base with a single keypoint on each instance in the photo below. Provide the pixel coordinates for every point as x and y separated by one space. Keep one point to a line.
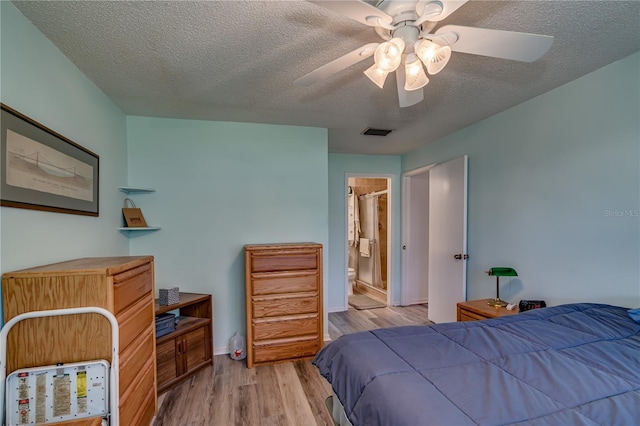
496 302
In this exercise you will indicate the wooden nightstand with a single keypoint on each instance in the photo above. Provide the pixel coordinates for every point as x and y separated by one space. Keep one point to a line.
475 310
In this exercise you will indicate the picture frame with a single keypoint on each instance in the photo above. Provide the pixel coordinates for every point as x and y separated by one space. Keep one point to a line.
42 170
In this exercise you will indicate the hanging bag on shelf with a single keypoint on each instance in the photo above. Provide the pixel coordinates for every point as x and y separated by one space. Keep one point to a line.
133 215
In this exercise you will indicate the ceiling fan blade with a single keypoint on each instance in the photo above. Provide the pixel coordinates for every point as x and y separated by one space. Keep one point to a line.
356 10
360 54
498 44
448 7
407 98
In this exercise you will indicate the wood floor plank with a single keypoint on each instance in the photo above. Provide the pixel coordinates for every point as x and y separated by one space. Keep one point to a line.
285 394
271 403
196 386
316 389
246 405
221 408
297 408
280 420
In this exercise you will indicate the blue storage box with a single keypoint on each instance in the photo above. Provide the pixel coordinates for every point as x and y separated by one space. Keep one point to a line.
165 324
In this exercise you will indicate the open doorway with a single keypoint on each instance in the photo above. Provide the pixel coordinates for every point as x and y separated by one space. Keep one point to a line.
368 207
434 234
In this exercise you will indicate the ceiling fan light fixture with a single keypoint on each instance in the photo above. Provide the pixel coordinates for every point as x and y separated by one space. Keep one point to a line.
415 77
389 54
441 60
377 75
434 56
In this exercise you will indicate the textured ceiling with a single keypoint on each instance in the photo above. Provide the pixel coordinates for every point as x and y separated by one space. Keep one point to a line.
237 60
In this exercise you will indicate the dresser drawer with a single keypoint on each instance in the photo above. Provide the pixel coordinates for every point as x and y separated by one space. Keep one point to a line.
275 306
469 316
145 416
133 359
135 320
130 286
279 327
132 402
284 261
285 349
284 283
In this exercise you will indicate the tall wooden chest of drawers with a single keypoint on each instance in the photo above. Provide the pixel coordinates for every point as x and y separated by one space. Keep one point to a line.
284 301
121 285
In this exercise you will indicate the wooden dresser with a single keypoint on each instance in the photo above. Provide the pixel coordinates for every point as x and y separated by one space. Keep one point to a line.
123 286
284 301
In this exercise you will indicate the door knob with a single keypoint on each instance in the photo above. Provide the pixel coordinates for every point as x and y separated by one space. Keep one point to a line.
460 256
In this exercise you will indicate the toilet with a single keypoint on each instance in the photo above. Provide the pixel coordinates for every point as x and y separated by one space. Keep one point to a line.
351 275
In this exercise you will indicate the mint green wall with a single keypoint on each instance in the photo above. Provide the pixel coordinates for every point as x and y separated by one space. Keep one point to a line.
366 165
40 82
554 188
220 186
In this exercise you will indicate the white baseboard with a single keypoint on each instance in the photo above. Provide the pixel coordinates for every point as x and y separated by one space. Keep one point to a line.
327 338
221 350
415 302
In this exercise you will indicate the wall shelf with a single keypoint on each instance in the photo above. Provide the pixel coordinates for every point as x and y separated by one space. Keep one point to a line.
135 190
148 228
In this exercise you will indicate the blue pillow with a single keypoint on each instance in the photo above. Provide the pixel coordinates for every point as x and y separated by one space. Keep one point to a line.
634 314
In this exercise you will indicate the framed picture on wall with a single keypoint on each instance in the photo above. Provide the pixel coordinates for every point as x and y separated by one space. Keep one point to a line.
42 170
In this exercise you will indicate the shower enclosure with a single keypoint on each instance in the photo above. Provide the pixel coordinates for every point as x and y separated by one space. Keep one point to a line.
369 261
367 235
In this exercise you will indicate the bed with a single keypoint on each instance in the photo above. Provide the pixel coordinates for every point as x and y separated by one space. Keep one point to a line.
564 365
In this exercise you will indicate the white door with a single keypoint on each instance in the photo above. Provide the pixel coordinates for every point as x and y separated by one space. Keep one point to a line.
447 239
415 238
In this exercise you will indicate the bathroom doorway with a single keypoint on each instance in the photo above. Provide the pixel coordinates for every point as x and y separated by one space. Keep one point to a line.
368 241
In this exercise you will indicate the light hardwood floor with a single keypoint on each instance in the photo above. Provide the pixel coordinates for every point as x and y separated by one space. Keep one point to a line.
289 393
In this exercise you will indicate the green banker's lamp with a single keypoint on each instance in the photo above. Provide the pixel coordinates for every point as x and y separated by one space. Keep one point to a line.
500 272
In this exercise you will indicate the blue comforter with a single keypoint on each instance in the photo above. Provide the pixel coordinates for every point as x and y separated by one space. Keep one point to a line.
573 364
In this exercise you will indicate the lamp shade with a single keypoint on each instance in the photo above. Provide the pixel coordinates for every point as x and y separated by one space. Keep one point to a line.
415 77
503 272
434 56
377 75
388 55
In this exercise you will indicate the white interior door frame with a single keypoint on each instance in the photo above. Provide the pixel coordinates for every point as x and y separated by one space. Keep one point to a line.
390 232
406 278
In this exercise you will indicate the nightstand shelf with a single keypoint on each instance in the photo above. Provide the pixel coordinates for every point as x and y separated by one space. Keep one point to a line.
476 310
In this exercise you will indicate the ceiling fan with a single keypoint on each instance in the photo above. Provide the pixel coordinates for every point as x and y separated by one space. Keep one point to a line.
411 44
